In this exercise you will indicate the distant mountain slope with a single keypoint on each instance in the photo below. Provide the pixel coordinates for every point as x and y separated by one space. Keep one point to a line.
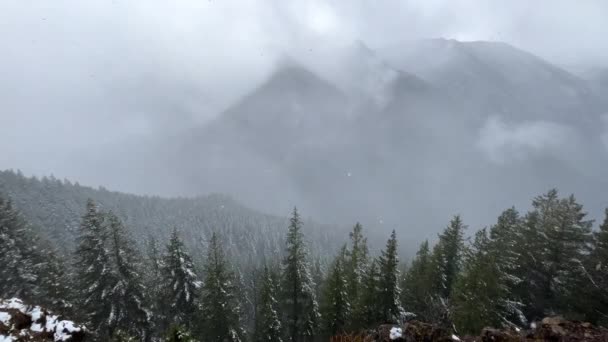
496 78
404 138
55 207
451 110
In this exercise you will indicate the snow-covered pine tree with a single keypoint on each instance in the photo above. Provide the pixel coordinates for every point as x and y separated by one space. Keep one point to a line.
318 276
129 313
31 270
336 302
220 308
154 285
506 241
180 285
268 324
416 286
446 263
18 271
530 247
54 280
356 262
94 272
566 236
479 291
300 304
597 277
446 259
390 292
368 310
246 302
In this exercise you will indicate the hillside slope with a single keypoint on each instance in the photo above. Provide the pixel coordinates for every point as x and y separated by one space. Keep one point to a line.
55 208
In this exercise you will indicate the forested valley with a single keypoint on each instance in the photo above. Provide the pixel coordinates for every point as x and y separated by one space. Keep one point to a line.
198 282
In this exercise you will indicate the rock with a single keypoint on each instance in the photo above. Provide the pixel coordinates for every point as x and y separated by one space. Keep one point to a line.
559 329
20 322
491 334
424 332
384 333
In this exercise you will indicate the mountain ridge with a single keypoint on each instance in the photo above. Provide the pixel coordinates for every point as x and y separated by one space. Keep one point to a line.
403 138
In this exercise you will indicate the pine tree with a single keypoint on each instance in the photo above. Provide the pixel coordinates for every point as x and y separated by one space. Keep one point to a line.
31 270
390 293
446 263
53 280
336 302
598 274
18 271
565 236
530 267
245 297
154 286
447 258
300 304
318 277
180 284
178 333
416 288
506 242
268 325
129 314
479 291
355 268
369 311
95 274
220 307
357 261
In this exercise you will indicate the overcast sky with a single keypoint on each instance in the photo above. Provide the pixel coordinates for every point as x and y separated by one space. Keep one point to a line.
82 73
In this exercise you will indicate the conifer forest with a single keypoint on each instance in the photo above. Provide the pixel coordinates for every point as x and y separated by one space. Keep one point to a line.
303 171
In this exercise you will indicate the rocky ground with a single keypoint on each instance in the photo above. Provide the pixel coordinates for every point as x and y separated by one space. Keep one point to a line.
21 322
549 329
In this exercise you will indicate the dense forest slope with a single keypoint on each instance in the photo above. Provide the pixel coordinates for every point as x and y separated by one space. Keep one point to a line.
55 209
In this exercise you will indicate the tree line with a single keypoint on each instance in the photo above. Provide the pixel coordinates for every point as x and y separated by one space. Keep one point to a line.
547 261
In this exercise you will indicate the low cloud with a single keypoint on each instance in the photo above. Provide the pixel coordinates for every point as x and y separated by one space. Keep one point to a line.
504 142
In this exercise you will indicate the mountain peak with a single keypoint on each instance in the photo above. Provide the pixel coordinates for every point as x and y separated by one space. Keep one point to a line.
290 75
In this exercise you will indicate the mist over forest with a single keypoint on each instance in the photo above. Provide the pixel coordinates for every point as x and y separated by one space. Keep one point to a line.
174 123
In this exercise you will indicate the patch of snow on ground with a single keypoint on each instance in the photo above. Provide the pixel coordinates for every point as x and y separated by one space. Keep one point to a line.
395 333
455 338
5 317
14 303
62 330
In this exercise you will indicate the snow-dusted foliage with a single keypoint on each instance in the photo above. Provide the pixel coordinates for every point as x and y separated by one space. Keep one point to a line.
29 267
96 277
336 307
220 307
54 207
300 308
268 325
109 284
21 322
181 285
390 291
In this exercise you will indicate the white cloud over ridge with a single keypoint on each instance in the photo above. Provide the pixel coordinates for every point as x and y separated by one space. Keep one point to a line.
503 142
